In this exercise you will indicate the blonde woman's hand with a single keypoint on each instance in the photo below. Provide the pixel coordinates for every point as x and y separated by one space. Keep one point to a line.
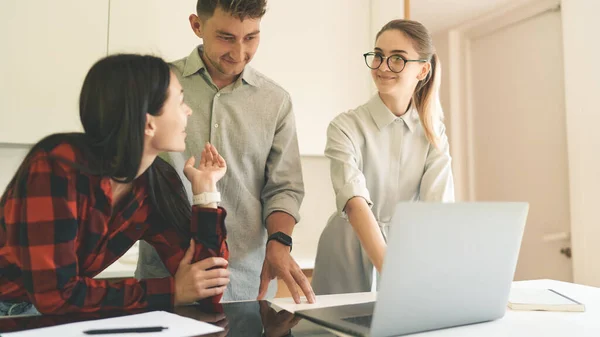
212 168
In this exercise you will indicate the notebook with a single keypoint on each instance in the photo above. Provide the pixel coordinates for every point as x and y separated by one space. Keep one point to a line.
323 301
542 300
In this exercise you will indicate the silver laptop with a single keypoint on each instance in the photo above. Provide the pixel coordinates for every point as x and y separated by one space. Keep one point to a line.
446 265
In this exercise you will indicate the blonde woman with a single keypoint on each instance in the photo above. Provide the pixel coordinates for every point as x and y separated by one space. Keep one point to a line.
391 149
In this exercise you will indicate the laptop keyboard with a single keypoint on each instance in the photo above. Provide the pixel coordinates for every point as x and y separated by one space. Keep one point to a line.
360 320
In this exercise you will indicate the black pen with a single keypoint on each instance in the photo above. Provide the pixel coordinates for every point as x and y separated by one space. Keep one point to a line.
125 330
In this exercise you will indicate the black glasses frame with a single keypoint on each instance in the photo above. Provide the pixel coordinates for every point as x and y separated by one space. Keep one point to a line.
387 58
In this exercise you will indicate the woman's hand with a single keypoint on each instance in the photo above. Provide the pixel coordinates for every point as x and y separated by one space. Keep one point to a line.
212 168
196 281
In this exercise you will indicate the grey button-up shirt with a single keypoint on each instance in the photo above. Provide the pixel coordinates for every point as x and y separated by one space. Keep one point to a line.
384 159
252 125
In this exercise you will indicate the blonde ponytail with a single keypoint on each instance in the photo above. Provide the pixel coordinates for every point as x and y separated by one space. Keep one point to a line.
426 98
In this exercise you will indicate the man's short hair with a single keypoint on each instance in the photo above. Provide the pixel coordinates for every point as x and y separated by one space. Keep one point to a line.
242 9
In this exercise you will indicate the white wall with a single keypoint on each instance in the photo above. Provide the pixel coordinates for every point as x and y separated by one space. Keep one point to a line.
441 41
318 205
383 11
10 159
582 88
313 48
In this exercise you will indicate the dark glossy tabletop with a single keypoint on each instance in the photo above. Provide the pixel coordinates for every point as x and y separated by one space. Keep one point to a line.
238 319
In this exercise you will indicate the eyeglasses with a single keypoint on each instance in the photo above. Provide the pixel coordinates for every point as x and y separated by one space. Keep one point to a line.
396 63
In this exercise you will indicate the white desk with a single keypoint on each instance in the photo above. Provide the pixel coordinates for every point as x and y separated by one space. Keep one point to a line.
514 323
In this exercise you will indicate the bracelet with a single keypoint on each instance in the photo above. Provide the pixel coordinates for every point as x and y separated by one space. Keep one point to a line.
206 198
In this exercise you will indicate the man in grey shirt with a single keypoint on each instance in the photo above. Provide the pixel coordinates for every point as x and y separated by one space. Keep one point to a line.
249 119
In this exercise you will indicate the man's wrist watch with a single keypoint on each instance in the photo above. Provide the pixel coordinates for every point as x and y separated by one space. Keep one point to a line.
282 238
206 198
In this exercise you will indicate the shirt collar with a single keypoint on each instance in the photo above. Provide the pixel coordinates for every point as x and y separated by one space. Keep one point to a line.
384 117
194 64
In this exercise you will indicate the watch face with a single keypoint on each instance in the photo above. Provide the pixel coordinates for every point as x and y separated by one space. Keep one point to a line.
283 238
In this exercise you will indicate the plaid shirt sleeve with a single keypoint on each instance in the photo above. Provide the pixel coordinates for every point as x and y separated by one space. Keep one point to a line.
209 234
42 227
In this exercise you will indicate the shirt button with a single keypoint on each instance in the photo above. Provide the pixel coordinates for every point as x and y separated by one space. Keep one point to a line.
218 94
216 125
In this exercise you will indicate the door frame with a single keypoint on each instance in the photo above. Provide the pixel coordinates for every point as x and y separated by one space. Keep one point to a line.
461 113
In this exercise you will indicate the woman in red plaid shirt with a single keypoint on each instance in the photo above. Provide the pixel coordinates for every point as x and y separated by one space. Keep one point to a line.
79 201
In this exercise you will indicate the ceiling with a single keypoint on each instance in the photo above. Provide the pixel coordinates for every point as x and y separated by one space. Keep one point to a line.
440 15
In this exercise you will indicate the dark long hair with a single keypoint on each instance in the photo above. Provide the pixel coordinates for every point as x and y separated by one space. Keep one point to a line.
117 93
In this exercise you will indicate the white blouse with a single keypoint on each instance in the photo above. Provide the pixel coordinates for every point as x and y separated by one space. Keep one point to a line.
387 159
384 159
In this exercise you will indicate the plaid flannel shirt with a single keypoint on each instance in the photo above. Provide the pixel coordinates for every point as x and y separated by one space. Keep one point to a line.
61 230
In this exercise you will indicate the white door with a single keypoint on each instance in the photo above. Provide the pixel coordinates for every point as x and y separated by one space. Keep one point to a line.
519 150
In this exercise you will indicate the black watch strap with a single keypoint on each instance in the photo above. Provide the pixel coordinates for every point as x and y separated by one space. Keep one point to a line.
282 238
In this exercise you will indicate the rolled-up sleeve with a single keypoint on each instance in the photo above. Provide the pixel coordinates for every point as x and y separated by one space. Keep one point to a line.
347 178
437 183
284 188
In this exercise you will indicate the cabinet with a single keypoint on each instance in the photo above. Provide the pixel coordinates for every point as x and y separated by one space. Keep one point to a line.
47 49
157 27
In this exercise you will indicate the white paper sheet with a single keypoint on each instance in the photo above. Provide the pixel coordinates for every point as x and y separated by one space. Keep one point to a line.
178 326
